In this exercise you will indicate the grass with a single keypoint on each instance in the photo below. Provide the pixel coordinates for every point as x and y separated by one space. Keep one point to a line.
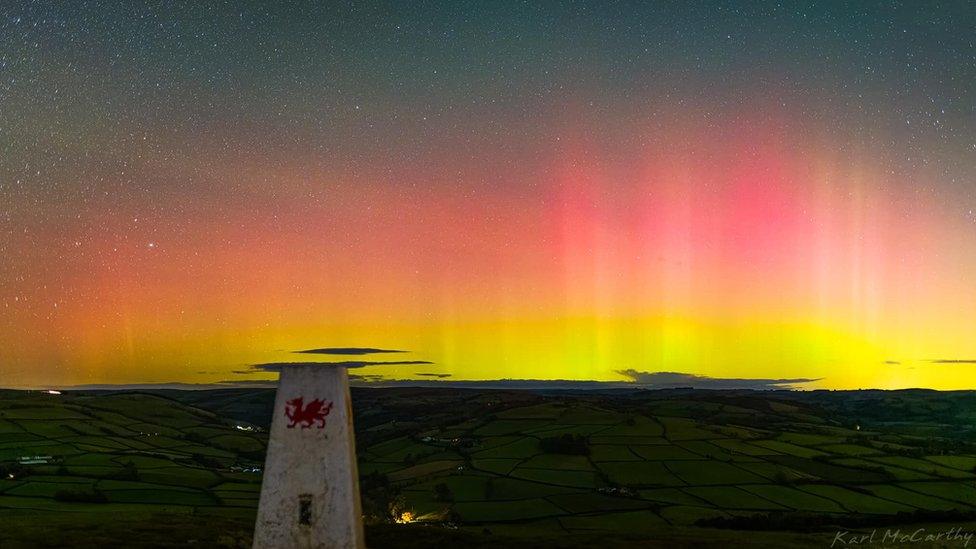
628 440
963 463
423 469
642 473
670 496
897 493
654 464
486 443
898 473
579 479
632 521
498 466
775 472
731 497
498 511
952 491
830 472
744 448
237 443
677 428
781 447
557 461
809 439
181 476
850 450
856 501
588 415
108 525
462 487
157 496
8 427
636 426
539 411
141 461
661 453
388 447
507 427
923 466
687 515
612 452
92 439
405 452
518 449
555 430
505 488
44 414
794 498
706 449
47 489
590 502
370 467
711 472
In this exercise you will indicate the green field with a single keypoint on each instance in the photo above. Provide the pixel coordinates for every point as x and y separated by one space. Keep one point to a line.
523 466
679 463
113 457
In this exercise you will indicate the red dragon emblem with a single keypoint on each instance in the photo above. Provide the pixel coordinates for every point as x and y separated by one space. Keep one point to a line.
307 415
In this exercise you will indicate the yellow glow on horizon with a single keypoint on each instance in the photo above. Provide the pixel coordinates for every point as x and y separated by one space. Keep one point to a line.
733 250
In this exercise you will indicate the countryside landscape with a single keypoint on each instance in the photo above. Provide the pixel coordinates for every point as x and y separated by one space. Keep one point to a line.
476 467
491 275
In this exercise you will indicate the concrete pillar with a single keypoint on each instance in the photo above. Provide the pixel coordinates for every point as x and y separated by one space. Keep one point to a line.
310 492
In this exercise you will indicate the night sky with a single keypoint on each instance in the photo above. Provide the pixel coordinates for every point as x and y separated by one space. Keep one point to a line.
508 190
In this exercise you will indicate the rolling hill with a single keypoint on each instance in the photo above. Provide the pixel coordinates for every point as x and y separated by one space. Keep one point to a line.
478 467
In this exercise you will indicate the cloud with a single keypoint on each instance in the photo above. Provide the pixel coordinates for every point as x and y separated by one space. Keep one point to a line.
665 380
954 361
348 351
168 385
508 384
426 374
276 366
892 362
366 378
241 383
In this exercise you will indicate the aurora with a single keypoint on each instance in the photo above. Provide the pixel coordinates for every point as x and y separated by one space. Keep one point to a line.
508 195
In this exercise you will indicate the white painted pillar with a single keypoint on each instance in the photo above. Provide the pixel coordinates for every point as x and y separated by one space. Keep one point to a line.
310 491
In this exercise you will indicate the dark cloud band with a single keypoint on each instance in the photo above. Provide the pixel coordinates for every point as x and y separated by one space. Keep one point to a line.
348 351
677 379
277 366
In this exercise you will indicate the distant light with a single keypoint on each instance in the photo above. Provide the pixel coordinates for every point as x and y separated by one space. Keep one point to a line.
405 517
52 392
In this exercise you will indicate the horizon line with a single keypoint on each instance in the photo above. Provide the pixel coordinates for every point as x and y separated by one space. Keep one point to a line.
496 384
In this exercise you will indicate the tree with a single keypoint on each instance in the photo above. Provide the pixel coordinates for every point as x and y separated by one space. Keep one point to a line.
381 502
14 470
128 472
443 493
574 445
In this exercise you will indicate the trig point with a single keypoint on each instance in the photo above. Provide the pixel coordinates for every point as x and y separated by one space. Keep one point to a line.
310 492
